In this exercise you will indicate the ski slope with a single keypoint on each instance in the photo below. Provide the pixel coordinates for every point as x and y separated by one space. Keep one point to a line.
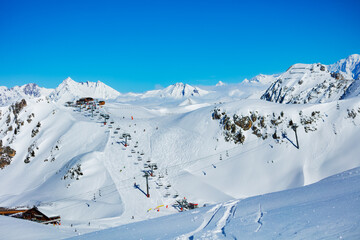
186 145
325 210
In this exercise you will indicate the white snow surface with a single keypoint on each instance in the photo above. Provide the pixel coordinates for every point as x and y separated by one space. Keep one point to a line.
18 229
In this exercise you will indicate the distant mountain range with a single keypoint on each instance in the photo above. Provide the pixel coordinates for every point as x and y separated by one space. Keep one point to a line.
301 83
9 95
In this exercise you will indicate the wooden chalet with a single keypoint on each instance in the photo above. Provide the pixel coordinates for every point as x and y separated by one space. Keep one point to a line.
32 214
9 211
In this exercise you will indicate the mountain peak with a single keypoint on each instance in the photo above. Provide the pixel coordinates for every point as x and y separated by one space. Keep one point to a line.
354 56
70 90
220 83
177 90
68 80
349 67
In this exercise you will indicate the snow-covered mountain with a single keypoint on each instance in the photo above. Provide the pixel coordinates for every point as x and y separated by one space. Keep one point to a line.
307 83
31 90
348 67
317 83
70 90
262 79
177 91
220 84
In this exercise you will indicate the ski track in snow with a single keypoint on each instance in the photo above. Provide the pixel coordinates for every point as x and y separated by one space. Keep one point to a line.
228 215
207 219
229 212
259 219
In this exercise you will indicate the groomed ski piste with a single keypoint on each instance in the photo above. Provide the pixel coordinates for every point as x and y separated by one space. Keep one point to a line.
75 166
328 209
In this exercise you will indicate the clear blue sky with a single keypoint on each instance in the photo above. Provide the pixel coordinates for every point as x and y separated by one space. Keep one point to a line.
135 45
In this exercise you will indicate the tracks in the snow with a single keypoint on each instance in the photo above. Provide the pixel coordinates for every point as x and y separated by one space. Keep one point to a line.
214 222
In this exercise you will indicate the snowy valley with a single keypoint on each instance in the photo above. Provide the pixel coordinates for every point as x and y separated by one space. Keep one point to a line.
271 157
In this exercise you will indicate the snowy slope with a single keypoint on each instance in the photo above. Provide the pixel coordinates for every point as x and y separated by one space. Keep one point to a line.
188 146
31 90
13 229
70 90
325 210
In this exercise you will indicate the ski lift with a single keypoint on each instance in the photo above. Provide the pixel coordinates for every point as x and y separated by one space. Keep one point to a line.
176 195
153 166
132 150
146 165
139 158
142 153
129 155
167 194
117 128
159 184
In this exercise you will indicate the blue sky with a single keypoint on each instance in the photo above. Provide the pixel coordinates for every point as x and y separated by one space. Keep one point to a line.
137 45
